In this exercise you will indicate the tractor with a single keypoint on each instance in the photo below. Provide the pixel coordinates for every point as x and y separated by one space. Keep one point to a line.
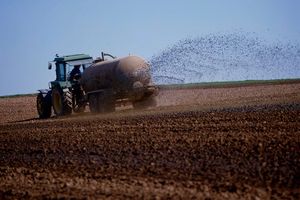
64 94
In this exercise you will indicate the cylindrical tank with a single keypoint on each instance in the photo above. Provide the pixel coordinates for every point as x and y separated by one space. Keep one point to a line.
121 75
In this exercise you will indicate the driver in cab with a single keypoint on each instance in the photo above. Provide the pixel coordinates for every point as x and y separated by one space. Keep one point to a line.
75 74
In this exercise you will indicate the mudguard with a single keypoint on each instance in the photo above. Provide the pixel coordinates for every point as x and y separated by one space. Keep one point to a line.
45 92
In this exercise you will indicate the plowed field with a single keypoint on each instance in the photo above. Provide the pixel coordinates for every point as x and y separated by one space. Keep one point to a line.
206 143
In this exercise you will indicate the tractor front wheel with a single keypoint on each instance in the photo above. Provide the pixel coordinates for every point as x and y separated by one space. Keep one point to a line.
43 104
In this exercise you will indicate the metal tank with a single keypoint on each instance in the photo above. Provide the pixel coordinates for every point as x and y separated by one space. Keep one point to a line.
127 77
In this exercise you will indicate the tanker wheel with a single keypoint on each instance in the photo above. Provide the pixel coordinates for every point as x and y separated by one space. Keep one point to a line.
43 104
93 103
62 102
102 103
107 103
145 103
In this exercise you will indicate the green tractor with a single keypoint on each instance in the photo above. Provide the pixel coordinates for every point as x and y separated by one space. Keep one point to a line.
64 94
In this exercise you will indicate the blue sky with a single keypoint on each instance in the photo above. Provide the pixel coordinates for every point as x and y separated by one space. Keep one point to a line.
33 31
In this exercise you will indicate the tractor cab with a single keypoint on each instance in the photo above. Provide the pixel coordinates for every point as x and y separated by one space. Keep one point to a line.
65 94
64 66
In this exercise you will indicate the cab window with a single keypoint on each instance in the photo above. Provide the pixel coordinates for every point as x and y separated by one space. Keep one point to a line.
60 72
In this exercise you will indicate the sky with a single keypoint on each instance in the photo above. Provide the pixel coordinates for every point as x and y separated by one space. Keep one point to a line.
33 31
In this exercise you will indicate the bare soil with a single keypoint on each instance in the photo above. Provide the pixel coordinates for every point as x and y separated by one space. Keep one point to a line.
206 143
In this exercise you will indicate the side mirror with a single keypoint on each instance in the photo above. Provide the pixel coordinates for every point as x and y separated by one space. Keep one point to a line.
49 65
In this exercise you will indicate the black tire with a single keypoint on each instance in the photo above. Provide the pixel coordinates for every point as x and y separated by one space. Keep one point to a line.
93 103
61 102
102 103
43 104
107 103
145 103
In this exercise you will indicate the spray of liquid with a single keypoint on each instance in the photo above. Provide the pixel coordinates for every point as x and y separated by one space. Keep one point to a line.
225 57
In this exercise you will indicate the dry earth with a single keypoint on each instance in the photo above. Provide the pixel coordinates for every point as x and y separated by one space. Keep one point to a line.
202 143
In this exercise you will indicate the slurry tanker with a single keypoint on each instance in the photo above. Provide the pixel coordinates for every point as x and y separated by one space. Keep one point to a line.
102 84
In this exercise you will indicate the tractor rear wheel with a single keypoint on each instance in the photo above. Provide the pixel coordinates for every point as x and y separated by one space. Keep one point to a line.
43 104
62 102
